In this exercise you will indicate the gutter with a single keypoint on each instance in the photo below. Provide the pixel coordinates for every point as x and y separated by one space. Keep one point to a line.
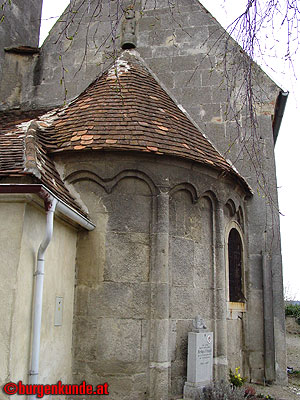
42 191
279 111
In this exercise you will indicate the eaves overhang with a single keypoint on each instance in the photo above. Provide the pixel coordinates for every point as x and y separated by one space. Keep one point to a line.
279 112
44 193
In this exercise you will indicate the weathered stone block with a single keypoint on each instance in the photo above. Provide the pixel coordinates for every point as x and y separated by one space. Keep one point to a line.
159 380
194 96
200 19
119 340
188 79
119 300
203 265
177 384
161 63
168 79
126 386
186 302
122 218
182 329
211 113
163 37
255 309
145 52
127 257
175 19
192 38
91 257
153 5
182 261
82 300
184 63
255 272
177 213
85 339
235 344
149 23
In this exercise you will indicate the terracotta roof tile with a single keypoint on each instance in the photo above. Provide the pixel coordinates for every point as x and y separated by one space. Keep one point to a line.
22 153
131 111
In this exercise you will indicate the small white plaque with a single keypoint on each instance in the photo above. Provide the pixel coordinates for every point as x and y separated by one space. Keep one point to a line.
200 358
58 311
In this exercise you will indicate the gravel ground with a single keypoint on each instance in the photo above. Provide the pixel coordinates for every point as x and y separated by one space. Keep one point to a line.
292 390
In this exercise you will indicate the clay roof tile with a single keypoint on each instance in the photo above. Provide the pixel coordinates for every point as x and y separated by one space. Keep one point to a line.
118 108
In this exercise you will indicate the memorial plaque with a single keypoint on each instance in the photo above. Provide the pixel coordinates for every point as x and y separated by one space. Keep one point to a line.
200 360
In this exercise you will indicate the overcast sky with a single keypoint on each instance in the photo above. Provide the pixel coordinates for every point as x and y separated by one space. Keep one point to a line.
288 143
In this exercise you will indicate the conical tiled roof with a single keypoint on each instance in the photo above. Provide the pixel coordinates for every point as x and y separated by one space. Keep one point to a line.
127 109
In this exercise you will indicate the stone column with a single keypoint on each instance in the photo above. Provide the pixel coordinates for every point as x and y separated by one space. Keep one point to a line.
159 321
220 297
268 320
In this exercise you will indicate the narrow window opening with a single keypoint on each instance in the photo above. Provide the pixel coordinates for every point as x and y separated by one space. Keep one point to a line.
235 258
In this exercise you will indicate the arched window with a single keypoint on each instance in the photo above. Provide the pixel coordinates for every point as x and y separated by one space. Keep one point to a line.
235 261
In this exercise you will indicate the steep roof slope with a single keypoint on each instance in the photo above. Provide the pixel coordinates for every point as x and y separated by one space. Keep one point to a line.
127 109
22 153
12 134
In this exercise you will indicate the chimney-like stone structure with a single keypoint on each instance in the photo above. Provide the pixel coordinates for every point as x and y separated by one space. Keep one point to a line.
20 28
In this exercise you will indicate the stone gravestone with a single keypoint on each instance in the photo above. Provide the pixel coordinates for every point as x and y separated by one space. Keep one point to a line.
200 360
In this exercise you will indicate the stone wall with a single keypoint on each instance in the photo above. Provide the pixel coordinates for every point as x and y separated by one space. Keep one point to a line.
192 275
178 46
21 25
111 325
147 269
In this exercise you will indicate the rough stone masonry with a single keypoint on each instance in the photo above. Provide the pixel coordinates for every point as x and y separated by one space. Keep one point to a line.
163 199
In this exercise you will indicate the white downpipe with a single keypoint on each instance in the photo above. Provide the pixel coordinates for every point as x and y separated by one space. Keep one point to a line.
38 298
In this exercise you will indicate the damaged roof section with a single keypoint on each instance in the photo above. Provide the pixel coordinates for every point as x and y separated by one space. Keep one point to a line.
22 154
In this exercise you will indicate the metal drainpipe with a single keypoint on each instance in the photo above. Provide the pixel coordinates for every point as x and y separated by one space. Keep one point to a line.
50 205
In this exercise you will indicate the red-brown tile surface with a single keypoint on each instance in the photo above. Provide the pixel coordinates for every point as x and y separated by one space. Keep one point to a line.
123 110
20 150
11 139
131 111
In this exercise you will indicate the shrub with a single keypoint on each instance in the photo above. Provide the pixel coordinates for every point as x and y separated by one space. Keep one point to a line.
223 391
249 391
293 310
